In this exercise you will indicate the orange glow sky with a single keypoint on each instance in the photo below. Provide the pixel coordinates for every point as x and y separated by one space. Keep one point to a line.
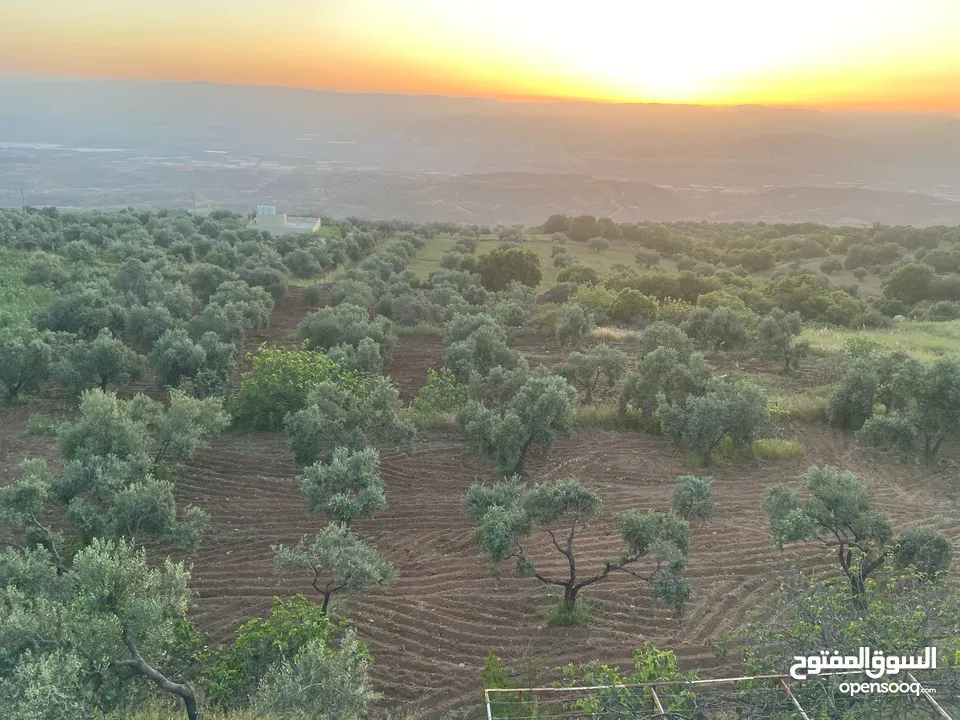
869 54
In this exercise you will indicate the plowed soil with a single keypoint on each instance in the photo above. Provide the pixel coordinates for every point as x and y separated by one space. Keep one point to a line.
430 630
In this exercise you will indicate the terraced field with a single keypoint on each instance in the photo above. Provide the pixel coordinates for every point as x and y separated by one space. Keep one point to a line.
430 630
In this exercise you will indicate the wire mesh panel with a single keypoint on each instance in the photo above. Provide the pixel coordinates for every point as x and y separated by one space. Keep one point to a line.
750 698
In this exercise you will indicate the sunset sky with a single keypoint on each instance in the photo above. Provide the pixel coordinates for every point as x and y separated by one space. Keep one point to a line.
870 54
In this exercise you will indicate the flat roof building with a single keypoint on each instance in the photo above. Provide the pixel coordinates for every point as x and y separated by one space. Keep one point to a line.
267 219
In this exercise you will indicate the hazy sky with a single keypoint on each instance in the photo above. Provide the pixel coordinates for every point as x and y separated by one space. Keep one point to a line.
902 54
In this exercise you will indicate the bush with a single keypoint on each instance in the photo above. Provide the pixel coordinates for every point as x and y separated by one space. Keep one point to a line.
442 393
315 295
578 274
237 669
598 244
851 403
500 267
892 431
574 324
692 498
831 266
279 383
630 305
351 292
347 325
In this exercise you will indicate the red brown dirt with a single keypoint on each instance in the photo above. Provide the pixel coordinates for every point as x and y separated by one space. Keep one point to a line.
411 360
444 609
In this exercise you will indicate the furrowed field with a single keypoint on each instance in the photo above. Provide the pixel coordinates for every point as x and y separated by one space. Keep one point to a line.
430 629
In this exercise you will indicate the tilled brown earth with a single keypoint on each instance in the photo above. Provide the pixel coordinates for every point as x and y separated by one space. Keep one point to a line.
430 630
444 609
411 360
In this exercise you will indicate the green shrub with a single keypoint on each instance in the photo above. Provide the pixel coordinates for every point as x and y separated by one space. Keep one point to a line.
893 431
279 383
441 394
260 643
692 498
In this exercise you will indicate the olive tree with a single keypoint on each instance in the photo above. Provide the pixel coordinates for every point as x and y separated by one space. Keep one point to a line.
99 363
775 338
483 349
693 498
338 416
539 414
318 683
345 487
573 324
337 561
663 372
838 511
733 408
73 637
25 357
850 404
346 325
507 514
584 369
716 329
664 335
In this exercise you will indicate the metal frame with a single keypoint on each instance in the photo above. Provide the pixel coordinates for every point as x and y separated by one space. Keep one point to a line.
782 682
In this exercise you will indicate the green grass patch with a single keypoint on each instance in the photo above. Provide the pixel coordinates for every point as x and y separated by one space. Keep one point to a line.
430 420
43 425
604 416
808 406
18 300
777 449
560 615
925 341
428 257
765 449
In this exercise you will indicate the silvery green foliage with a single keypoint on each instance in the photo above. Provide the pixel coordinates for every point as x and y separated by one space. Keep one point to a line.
716 329
506 514
25 356
336 416
850 404
483 347
64 633
730 408
345 487
839 512
775 338
101 362
499 386
346 324
539 414
585 369
693 498
320 684
663 371
112 486
364 358
664 335
337 561
574 324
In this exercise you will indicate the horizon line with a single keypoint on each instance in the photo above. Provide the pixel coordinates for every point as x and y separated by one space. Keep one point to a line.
506 99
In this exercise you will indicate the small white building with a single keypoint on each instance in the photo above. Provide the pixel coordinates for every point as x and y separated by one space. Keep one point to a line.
267 219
